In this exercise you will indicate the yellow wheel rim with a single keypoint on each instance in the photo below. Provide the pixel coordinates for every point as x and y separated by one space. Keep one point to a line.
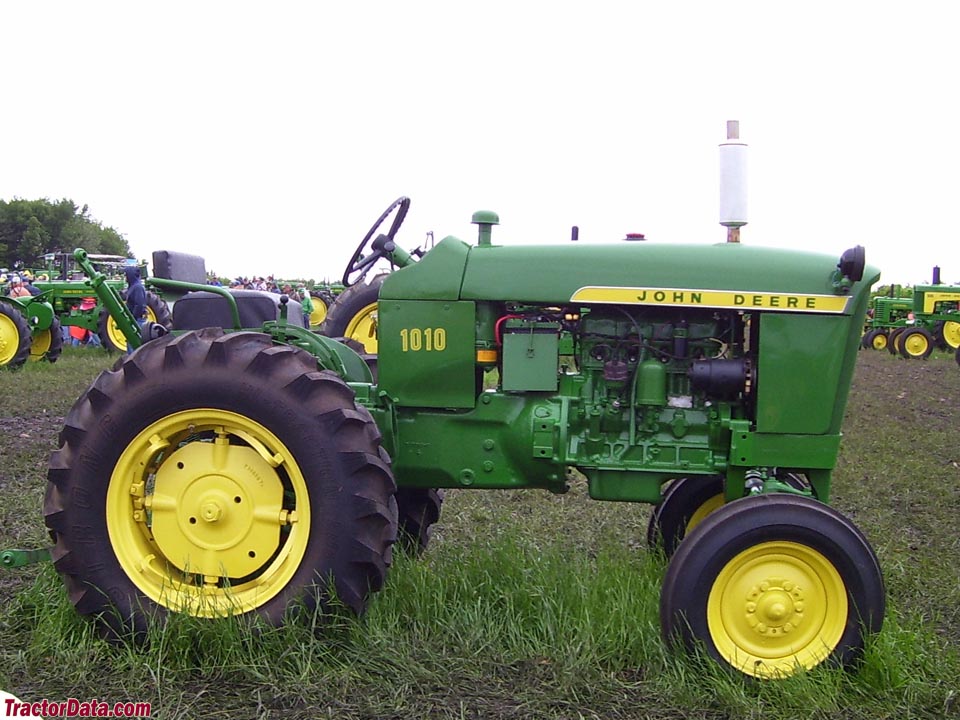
207 513
879 341
363 328
714 503
319 313
40 345
117 338
915 345
777 607
9 339
951 333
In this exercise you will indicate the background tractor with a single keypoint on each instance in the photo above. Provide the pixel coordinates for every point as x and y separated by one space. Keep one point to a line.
63 284
932 320
887 315
265 472
29 330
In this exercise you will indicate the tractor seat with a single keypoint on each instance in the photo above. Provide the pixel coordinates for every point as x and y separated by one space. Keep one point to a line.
202 309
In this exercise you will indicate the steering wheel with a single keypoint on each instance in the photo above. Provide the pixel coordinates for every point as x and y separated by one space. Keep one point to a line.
360 264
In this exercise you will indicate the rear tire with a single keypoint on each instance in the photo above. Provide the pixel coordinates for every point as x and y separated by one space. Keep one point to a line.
113 339
770 584
354 315
15 336
217 473
322 302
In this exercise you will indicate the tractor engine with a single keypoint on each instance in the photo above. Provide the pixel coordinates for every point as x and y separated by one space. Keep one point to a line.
645 389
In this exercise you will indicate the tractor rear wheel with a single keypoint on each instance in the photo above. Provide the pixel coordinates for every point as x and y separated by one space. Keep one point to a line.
916 344
684 506
216 473
322 301
112 338
772 584
47 344
354 315
417 509
15 336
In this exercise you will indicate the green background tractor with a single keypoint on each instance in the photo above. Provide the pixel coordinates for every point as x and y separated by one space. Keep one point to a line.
218 472
29 330
66 288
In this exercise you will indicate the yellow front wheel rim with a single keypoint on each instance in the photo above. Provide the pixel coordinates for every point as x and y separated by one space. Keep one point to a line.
207 513
363 328
777 607
40 346
915 345
879 341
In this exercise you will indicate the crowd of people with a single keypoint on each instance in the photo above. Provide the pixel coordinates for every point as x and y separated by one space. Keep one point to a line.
299 293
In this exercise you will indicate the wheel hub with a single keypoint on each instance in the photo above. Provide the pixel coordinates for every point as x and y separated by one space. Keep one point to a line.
217 509
774 607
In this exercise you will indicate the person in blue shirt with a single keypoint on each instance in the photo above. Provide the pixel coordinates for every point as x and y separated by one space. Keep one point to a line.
136 297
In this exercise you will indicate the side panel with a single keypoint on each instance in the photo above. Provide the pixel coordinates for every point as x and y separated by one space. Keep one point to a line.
800 365
427 353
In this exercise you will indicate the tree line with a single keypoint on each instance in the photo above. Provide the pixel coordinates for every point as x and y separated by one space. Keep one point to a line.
31 228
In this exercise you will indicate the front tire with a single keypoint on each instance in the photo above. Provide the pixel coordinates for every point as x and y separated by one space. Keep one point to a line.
47 344
772 584
216 473
685 505
916 344
417 509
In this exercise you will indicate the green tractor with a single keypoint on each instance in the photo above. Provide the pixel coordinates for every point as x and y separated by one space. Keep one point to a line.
63 284
216 472
935 321
886 315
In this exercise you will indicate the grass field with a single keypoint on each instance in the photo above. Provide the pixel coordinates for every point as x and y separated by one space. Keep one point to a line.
526 605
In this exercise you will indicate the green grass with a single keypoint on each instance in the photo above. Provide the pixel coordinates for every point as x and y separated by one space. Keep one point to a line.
526 605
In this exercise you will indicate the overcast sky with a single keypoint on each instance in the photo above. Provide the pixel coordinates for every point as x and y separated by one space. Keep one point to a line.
268 137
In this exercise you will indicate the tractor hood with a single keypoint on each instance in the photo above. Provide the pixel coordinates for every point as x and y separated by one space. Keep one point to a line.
642 273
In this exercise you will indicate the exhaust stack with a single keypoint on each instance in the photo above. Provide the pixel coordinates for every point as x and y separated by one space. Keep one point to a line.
733 182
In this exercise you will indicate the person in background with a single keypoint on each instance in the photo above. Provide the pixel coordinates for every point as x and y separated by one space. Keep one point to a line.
136 297
16 288
306 303
28 284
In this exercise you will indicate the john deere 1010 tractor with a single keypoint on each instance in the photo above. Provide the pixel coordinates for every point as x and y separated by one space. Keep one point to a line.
214 472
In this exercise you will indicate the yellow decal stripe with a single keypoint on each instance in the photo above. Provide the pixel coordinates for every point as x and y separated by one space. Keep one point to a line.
740 300
930 299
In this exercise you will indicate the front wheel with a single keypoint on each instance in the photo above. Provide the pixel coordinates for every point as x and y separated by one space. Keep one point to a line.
417 509
231 477
685 505
47 344
773 584
877 339
916 344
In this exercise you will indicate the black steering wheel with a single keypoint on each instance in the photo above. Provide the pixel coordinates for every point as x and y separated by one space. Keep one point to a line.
360 264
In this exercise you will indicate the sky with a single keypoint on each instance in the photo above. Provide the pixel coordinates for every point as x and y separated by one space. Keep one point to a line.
268 137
